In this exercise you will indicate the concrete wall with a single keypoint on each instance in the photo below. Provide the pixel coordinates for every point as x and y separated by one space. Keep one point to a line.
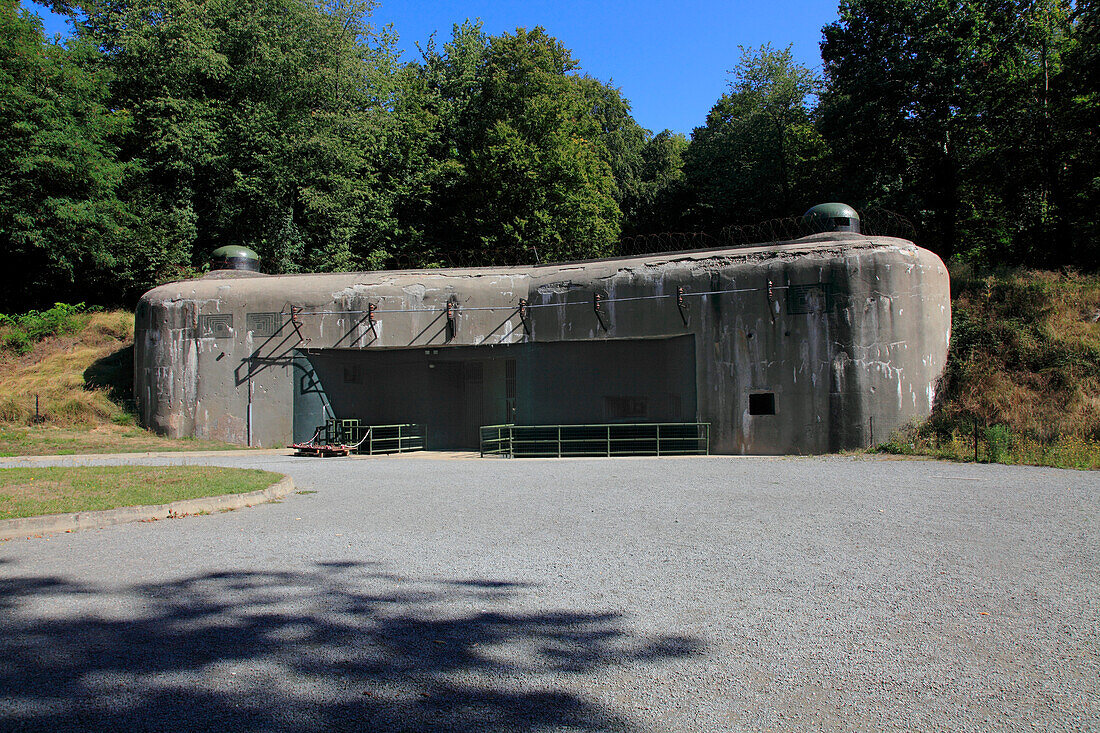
849 333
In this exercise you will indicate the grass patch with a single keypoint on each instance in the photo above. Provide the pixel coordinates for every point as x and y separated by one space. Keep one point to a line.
31 492
80 378
1023 372
46 440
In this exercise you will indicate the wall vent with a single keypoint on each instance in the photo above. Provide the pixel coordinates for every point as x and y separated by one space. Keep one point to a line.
263 324
216 325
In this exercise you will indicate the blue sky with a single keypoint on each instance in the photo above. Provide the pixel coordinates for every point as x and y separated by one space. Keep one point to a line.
670 59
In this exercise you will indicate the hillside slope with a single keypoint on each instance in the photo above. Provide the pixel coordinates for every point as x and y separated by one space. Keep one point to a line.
1023 371
79 366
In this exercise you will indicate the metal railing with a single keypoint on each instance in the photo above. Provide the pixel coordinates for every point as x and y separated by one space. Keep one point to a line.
376 439
607 440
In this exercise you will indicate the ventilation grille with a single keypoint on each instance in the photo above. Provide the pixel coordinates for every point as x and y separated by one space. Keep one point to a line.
216 325
263 324
813 298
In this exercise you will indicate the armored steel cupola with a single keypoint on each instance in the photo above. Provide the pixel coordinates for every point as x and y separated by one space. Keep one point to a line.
235 257
833 217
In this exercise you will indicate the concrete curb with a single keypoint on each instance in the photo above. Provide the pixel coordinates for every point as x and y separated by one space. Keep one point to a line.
53 523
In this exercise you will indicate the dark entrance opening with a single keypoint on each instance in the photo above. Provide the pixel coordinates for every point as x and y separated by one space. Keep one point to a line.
454 390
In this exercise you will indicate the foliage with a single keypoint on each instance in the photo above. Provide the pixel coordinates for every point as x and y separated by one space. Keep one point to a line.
759 156
513 156
63 225
19 333
657 200
255 122
166 128
959 115
1077 107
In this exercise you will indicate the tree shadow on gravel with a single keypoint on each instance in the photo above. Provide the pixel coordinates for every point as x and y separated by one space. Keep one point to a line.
345 646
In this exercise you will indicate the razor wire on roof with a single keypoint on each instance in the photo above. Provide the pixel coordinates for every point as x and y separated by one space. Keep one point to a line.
874 221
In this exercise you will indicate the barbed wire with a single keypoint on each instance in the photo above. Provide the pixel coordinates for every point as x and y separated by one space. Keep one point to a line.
874 221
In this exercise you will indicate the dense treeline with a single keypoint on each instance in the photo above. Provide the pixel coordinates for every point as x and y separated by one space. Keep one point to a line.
166 128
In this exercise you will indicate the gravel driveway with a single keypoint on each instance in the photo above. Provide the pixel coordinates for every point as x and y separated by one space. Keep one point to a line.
702 594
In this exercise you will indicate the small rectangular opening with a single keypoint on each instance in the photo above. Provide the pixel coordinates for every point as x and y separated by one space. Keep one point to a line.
762 403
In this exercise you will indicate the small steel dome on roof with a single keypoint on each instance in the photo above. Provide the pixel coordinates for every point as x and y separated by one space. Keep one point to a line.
832 217
831 211
235 251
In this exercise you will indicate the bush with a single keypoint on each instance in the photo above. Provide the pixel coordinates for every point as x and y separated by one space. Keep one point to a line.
17 342
999 443
21 332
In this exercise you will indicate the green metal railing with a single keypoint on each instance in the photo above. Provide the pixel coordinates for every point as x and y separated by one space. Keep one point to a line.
608 440
376 439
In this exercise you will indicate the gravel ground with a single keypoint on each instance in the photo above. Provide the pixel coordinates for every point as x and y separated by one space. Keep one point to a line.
703 594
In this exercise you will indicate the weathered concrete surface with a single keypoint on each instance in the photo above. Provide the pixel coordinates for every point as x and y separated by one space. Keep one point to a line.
849 332
53 523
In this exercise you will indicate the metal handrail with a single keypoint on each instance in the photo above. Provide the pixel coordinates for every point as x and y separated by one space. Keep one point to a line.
618 439
376 439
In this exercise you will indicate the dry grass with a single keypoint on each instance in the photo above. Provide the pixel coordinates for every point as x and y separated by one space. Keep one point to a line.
1026 354
84 383
54 370
1024 366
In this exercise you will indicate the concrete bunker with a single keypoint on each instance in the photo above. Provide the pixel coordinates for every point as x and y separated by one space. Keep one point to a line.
807 346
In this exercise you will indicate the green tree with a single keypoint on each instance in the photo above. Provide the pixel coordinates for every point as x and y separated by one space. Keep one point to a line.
759 156
63 227
1077 132
513 162
945 111
658 199
259 122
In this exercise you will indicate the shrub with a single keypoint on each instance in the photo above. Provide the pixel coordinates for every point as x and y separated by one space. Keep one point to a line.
999 443
21 332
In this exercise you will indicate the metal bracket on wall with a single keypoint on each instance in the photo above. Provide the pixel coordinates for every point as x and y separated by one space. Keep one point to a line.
596 298
680 305
295 321
771 300
523 315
